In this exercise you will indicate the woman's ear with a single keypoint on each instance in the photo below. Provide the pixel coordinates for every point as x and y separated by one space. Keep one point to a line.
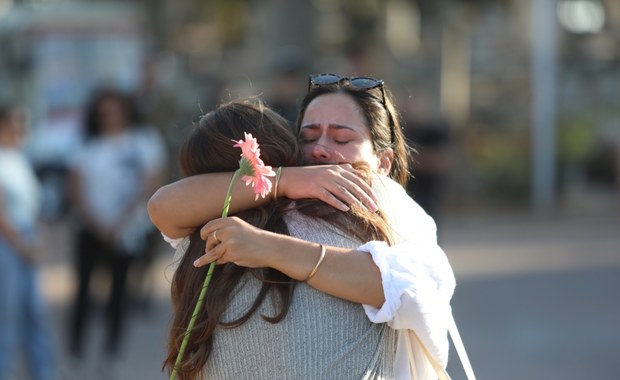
385 161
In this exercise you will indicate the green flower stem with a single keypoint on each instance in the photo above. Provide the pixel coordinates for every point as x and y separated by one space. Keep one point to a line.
229 193
205 286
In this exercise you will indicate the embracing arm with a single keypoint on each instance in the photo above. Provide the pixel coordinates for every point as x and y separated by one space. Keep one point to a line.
177 208
344 273
408 285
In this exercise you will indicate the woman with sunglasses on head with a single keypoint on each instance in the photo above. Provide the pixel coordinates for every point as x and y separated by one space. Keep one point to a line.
408 285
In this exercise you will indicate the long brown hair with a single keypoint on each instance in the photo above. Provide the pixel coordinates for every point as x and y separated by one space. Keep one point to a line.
207 149
381 118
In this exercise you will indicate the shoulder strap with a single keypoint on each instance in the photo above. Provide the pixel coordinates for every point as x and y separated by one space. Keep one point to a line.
442 374
460 348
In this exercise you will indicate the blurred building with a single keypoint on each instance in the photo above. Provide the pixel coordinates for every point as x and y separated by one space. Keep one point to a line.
472 60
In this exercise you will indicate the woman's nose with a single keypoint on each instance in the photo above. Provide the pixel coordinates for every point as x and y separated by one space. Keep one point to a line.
321 153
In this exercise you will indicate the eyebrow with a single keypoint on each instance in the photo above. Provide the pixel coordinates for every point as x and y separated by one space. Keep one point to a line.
330 126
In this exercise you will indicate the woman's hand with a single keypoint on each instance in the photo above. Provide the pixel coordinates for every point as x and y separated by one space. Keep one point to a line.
336 185
232 240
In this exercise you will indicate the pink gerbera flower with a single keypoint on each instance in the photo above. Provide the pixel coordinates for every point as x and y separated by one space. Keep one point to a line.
252 169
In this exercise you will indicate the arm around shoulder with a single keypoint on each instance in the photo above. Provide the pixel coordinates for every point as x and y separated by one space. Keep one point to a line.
178 208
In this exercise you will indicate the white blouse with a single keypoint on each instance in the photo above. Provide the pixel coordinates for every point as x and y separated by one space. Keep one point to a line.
418 282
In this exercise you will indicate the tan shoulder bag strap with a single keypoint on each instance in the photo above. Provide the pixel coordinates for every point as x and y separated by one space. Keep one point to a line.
439 370
458 345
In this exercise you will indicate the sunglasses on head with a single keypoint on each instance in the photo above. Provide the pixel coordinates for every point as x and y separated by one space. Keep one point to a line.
356 83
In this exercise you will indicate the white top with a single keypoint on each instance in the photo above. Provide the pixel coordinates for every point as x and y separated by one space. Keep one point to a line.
20 188
113 171
418 281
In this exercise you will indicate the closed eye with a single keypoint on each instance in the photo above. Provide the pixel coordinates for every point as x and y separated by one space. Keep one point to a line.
305 140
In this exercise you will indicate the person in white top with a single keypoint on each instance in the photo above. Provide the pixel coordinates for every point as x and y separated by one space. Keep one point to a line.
408 285
112 176
23 318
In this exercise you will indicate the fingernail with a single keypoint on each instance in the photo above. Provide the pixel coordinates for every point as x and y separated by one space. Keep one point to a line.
344 208
196 263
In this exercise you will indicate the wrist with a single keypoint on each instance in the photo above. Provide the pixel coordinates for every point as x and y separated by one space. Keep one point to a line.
294 257
283 182
317 265
276 183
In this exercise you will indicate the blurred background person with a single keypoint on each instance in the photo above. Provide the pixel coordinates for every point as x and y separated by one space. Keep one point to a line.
23 322
112 177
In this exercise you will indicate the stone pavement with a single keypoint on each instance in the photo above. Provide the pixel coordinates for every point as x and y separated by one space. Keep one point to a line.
536 299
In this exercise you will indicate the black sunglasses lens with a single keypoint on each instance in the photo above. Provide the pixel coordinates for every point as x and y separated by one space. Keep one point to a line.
365 83
325 79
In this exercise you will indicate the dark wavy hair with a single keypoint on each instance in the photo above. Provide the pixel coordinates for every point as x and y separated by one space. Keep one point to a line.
208 149
92 116
382 121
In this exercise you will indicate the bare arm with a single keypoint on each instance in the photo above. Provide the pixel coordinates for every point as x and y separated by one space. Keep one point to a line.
177 208
344 273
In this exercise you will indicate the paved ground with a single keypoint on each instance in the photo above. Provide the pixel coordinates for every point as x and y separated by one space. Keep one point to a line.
536 299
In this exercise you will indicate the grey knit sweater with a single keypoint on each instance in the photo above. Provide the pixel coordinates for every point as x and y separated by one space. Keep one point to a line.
322 337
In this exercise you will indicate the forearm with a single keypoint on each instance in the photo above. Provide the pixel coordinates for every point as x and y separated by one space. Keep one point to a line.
344 273
178 208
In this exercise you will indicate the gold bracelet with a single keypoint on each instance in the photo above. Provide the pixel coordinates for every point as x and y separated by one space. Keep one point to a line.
277 181
318 263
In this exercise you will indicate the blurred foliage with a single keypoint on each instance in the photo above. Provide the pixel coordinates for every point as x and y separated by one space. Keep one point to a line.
576 135
501 159
586 146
